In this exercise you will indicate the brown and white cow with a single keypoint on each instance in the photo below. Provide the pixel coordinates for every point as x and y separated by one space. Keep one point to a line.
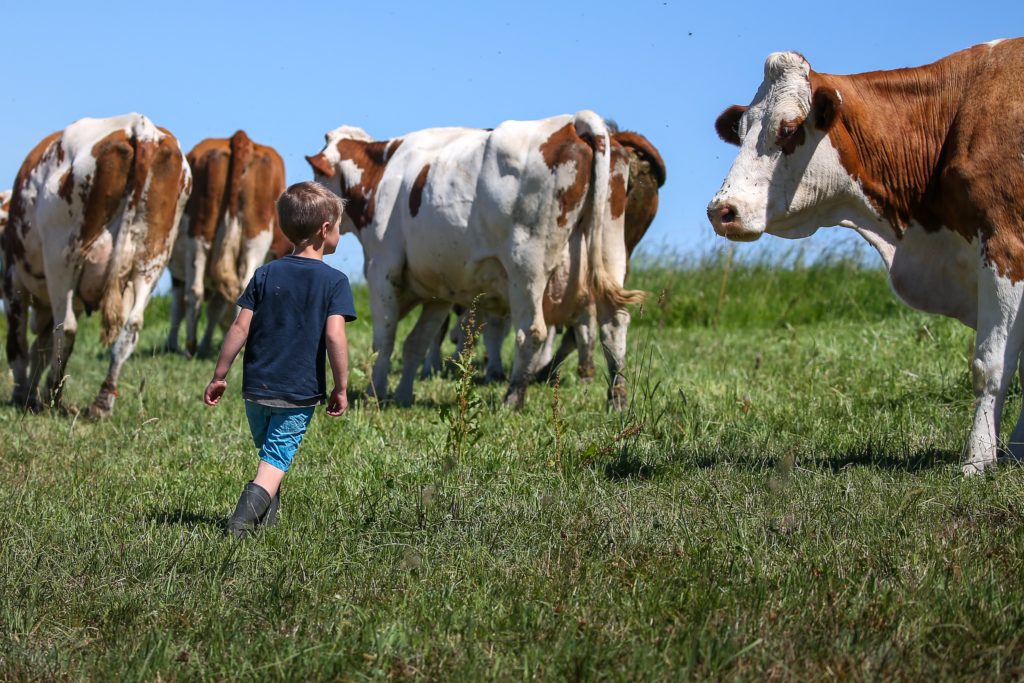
646 174
458 215
93 217
226 232
927 165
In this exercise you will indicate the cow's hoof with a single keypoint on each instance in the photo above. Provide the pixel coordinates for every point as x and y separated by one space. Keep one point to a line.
515 397
66 409
586 373
102 407
974 468
29 405
617 398
491 377
403 399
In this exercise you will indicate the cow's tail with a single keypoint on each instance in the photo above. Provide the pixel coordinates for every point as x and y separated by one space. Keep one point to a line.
591 126
227 244
145 140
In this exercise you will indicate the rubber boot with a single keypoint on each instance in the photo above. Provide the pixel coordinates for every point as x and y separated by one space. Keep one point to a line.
253 504
270 519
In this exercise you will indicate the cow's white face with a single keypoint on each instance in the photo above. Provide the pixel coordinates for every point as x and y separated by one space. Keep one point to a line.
787 179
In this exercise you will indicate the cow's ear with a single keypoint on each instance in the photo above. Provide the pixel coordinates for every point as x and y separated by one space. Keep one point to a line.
728 124
321 165
826 106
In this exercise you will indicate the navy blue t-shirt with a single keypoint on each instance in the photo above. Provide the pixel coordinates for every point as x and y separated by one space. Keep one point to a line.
291 299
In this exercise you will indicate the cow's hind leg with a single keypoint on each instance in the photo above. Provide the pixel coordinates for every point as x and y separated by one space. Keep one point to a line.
25 394
60 287
585 331
495 331
177 313
42 349
415 346
135 298
997 347
215 309
526 292
614 323
1015 447
386 310
195 273
433 363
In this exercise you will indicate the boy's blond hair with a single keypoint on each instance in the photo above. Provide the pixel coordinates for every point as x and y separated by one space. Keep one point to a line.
306 206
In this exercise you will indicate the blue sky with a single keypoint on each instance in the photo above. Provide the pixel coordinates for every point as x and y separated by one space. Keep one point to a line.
289 72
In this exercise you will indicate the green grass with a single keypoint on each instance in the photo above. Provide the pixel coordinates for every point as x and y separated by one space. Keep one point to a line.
782 501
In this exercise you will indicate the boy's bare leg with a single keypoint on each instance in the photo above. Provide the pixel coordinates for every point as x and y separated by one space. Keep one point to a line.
269 477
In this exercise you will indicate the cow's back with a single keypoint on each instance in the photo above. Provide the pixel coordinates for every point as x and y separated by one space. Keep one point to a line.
466 198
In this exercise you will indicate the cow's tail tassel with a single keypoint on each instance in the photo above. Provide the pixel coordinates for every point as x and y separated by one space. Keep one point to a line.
590 125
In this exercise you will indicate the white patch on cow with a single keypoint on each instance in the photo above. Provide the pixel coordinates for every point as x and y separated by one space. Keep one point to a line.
351 172
934 271
993 43
94 268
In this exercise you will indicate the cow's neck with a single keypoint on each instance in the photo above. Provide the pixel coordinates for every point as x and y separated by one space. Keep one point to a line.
891 132
933 271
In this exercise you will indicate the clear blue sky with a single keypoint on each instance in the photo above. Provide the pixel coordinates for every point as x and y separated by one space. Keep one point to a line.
289 72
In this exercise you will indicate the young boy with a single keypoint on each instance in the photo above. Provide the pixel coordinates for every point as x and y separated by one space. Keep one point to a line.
292 314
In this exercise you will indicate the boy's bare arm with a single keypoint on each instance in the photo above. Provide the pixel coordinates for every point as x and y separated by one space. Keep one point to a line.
234 340
337 352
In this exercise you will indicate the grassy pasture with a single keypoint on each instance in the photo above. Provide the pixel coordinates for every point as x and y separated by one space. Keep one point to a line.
782 501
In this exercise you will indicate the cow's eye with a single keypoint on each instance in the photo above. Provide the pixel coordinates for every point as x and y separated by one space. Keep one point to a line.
790 136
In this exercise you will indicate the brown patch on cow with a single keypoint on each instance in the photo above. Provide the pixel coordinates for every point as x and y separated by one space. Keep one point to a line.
640 146
392 148
210 161
416 194
728 122
371 158
162 197
241 154
790 135
562 147
641 200
646 175
619 169
321 165
114 155
936 145
66 185
260 192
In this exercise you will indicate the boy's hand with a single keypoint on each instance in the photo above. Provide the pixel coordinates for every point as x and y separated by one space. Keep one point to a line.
214 390
338 402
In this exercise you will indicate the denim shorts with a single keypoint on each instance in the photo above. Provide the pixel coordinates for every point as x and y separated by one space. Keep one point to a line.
277 432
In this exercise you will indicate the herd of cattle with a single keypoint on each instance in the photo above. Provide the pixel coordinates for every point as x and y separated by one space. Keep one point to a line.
533 222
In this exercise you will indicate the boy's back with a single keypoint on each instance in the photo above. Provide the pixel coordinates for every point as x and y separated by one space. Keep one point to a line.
291 299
